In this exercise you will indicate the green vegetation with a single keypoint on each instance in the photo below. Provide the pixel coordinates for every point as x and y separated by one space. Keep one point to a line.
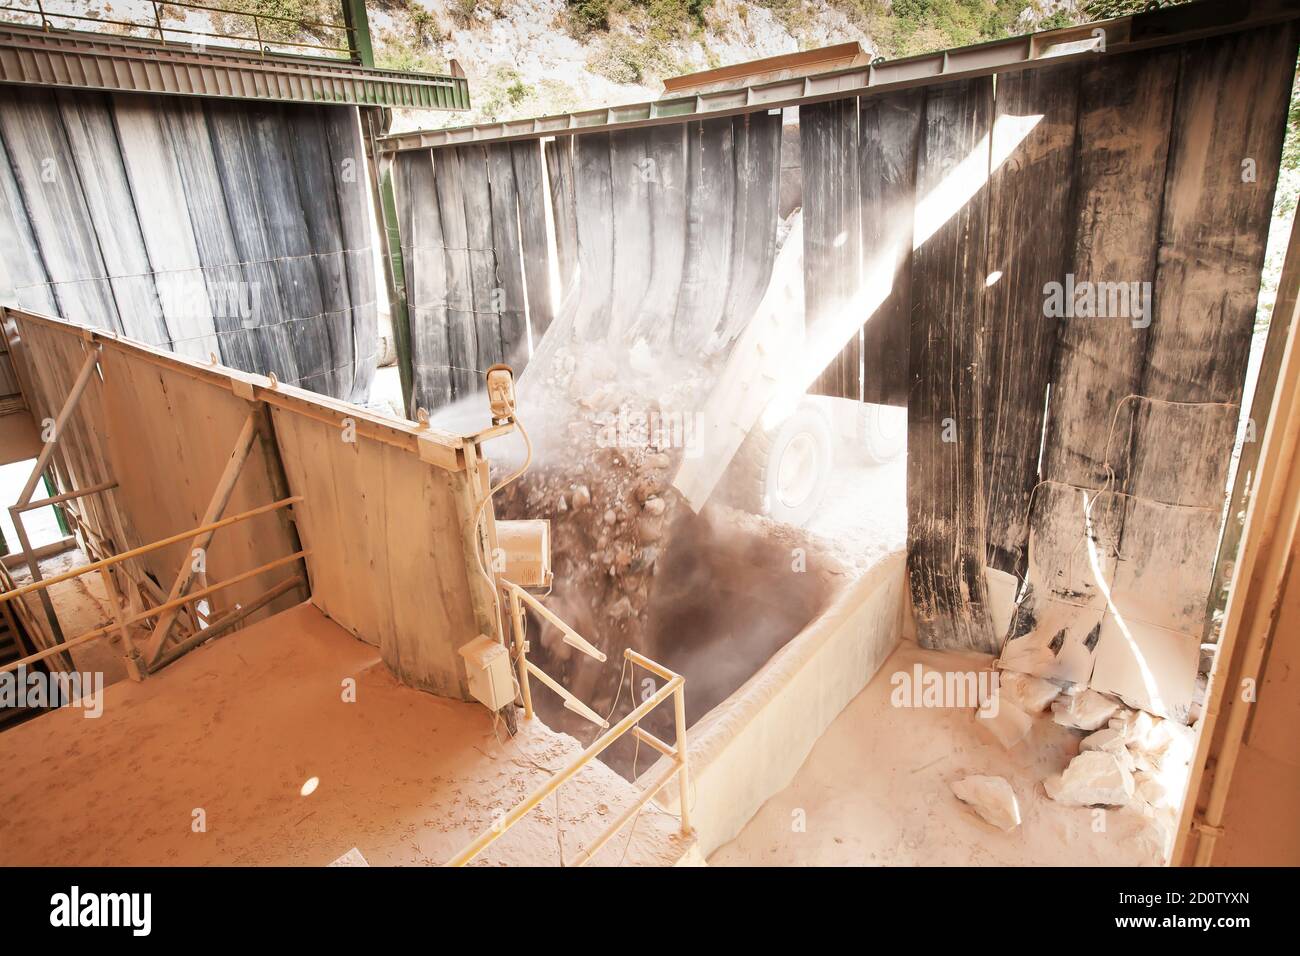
633 39
412 49
667 18
503 93
307 17
908 27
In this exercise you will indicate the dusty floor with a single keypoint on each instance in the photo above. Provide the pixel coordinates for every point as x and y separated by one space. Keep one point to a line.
239 728
875 791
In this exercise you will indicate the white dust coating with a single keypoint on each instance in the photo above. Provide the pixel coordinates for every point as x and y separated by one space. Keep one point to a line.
405 778
876 791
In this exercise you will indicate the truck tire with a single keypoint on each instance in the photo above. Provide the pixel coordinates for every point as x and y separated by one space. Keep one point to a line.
784 472
884 433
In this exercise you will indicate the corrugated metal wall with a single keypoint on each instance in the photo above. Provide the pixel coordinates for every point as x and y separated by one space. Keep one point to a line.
671 229
1075 455
235 229
1084 448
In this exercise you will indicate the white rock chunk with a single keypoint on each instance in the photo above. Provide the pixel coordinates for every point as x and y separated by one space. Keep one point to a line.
1181 747
1031 694
1095 778
352 858
1166 746
1135 725
991 797
1152 791
1107 739
1086 711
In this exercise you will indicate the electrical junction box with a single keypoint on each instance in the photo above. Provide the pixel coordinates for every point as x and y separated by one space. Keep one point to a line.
526 547
487 665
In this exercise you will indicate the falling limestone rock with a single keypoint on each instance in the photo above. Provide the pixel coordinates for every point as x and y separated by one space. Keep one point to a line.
1006 723
1095 778
991 797
1031 694
1086 711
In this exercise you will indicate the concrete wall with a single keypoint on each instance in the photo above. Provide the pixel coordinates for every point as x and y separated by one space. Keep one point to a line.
751 745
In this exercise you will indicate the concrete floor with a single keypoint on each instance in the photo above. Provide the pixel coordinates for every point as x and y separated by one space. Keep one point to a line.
254 731
875 792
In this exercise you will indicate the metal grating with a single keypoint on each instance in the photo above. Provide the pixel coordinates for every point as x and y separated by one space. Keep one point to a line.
90 61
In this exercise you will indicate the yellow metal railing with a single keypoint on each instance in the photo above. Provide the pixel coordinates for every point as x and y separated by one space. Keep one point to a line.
674 687
117 630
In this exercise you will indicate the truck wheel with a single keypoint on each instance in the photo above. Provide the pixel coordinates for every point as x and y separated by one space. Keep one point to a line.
884 433
784 472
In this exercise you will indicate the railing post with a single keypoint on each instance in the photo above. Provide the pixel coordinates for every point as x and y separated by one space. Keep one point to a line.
130 654
683 781
357 29
517 626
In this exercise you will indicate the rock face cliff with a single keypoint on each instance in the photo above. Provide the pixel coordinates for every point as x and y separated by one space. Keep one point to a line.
536 57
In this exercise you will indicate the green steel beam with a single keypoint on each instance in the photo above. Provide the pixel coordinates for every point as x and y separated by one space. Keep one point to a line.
390 239
358 23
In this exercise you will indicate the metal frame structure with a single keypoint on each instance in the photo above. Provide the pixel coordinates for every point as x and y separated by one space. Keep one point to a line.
262 41
823 59
674 686
179 600
117 630
70 59
1105 38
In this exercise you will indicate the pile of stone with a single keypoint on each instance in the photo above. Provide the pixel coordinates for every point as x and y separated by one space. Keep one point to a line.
1127 758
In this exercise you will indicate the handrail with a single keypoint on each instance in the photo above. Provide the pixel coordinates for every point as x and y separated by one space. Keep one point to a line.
518 596
145 549
674 687
570 636
264 44
107 629
119 625
66 496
